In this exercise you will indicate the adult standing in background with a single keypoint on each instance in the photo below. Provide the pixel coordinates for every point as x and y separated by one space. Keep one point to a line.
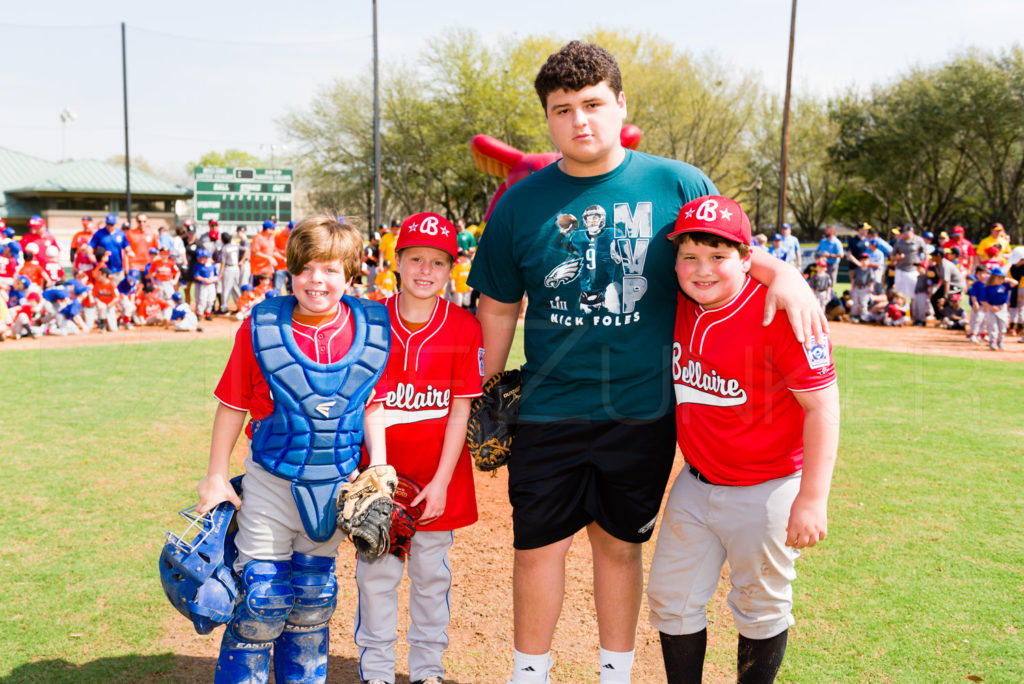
466 240
996 238
281 276
261 253
386 247
907 253
82 237
833 250
142 239
792 246
113 240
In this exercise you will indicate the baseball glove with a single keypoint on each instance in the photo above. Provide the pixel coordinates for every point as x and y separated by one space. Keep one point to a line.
364 510
404 517
492 420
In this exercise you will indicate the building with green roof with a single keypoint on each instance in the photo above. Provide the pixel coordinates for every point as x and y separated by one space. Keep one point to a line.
63 192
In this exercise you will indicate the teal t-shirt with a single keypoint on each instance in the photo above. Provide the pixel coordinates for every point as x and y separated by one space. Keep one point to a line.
592 257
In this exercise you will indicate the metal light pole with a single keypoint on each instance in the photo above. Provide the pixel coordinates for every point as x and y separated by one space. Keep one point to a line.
785 121
757 202
376 127
127 157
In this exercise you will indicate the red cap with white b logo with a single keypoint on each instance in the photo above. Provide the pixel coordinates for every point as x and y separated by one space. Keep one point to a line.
716 215
428 230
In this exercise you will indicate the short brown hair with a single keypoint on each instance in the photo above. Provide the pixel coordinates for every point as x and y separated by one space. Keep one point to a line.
576 66
322 238
699 237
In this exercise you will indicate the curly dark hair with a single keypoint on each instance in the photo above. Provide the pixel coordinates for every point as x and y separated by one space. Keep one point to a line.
576 66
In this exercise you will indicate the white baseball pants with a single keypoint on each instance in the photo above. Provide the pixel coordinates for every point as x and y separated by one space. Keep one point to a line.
430 581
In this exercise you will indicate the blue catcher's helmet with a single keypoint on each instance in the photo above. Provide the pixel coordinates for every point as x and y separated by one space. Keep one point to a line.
196 575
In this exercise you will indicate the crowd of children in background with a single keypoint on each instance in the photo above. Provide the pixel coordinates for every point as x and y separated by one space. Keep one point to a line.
916 279
122 276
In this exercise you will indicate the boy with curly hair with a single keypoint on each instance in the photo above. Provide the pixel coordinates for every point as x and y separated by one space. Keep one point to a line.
583 239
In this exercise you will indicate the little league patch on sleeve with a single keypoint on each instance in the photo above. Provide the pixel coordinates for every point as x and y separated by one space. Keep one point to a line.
817 354
480 360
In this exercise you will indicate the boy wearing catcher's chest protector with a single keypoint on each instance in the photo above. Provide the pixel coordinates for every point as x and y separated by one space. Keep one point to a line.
304 368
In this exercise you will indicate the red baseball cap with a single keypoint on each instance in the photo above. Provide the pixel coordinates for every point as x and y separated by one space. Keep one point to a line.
716 215
428 230
958 230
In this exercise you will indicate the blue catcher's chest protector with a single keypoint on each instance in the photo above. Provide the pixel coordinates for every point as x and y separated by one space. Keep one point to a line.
314 435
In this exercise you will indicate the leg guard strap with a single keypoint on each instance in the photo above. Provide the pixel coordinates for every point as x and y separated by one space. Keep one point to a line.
268 600
315 588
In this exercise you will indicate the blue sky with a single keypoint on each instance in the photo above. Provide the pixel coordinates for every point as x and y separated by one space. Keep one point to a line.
216 74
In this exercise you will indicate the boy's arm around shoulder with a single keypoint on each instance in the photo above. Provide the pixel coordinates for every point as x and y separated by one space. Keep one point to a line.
216 486
435 494
787 290
808 517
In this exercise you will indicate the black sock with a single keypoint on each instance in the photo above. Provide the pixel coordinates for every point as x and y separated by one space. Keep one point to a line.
684 656
758 660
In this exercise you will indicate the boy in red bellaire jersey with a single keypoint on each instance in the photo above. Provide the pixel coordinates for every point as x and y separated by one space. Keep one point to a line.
757 420
433 372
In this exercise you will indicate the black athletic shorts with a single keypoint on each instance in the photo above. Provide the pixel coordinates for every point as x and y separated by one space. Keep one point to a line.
564 475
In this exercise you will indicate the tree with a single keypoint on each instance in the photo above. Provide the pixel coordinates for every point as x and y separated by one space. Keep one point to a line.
688 109
904 150
334 159
984 96
231 158
139 163
429 112
814 183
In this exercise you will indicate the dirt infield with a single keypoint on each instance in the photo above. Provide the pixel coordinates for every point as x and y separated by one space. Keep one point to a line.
481 627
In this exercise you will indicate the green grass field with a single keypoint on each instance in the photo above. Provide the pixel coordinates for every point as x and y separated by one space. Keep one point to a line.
920 580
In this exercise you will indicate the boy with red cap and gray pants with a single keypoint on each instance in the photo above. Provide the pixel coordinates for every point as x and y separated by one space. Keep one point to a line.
758 424
434 371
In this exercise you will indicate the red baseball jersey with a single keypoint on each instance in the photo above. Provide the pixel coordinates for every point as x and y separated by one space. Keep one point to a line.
84 259
34 272
8 267
163 269
80 238
737 421
243 387
105 292
43 240
54 270
151 304
427 369
141 241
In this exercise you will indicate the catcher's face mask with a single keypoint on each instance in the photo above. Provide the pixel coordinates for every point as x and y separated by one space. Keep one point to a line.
195 567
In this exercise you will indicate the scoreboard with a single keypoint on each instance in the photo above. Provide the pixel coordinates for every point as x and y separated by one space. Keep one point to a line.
242 195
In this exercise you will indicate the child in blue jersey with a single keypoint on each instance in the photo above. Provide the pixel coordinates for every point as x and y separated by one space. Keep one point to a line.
304 367
975 293
995 303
